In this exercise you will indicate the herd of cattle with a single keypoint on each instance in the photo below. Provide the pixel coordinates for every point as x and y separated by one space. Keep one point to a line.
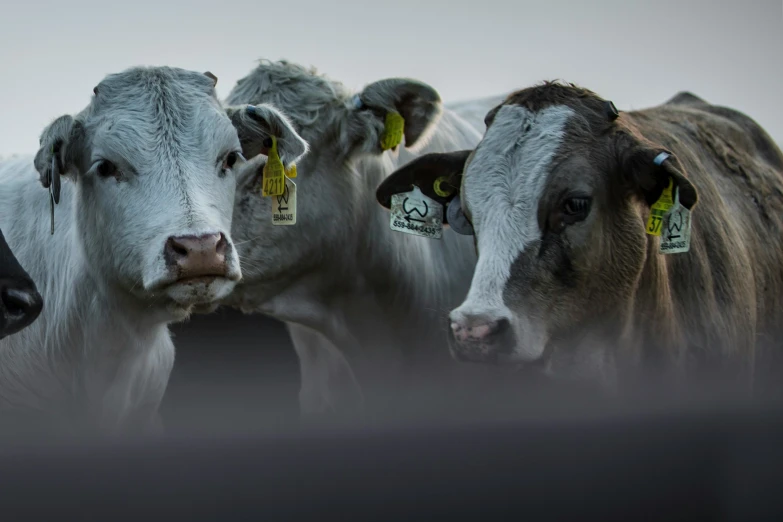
399 241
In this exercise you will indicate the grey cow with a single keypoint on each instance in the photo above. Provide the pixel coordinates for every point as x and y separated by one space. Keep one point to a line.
364 305
142 236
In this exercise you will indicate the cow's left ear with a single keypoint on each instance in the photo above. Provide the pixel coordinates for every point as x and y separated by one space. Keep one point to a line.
61 152
257 124
437 175
649 167
388 110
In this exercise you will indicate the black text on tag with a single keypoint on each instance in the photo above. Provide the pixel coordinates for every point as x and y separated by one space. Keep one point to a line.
284 205
414 213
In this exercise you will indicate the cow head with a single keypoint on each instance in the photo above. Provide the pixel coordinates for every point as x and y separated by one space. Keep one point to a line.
343 130
20 302
557 194
153 160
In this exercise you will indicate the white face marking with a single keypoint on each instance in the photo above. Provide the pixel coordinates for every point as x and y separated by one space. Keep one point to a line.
502 188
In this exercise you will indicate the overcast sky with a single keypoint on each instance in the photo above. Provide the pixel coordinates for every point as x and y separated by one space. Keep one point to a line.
637 53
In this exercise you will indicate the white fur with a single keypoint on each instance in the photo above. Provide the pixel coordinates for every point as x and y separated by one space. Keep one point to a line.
502 187
101 352
367 307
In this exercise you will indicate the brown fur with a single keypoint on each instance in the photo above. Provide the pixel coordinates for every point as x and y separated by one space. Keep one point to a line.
707 309
714 311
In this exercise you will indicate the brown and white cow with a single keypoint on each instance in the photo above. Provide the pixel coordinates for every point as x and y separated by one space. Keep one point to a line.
559 195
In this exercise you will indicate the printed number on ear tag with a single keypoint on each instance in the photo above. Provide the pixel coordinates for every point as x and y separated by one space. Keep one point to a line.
273 176
284 205
676 235
659 210
414 213
392 130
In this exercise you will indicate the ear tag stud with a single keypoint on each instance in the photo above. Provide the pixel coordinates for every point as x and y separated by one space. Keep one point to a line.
442 188
676 237
392 130
414 213
273 177
659 210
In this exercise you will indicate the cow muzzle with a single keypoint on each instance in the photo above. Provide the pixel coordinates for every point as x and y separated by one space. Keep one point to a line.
20 305
480 338
200 269
201 258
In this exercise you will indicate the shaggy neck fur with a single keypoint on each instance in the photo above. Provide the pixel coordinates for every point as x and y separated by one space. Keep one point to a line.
95 355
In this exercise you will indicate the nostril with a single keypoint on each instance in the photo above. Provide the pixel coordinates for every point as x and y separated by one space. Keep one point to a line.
175 251
19 302
222 245
178 248
479 328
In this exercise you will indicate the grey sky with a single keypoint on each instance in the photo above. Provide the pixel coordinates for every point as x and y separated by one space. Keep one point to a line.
635 53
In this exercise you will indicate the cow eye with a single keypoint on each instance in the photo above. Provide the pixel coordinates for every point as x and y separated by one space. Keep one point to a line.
576 209
106 169
230 160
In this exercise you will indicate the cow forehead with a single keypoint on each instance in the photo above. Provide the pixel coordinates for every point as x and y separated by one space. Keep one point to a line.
510 167
505 180
158 106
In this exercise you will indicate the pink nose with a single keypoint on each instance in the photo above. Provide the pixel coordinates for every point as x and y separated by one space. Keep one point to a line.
466 332
197 256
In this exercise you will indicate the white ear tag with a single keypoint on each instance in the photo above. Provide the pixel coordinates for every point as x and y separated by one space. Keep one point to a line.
414 213
676 228
284 205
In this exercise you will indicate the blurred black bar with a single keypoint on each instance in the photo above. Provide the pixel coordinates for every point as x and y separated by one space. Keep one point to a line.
725 466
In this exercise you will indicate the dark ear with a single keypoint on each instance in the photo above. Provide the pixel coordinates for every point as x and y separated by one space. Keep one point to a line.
438 176
418 104
61 146
649 167
256 124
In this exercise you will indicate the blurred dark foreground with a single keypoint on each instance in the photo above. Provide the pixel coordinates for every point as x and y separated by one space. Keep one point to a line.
235 449
724 465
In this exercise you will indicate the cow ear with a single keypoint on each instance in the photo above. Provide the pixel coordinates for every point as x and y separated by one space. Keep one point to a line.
649 167
61 147
257 124
437 175
388 110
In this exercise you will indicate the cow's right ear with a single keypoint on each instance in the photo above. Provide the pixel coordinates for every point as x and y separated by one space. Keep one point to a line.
257 124
437 175
62 141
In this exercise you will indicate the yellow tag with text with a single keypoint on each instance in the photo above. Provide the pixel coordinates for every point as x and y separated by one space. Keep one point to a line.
659 210
273 179
392 130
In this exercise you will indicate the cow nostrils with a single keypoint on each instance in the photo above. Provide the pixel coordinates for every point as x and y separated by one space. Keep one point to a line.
20 305
480 338
197 256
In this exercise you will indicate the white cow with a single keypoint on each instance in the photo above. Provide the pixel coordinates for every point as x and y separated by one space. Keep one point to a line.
365 306
141 237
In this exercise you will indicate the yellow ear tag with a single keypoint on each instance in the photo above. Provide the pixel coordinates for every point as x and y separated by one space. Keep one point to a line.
273 179
440 188
392 131
291 171
659 210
